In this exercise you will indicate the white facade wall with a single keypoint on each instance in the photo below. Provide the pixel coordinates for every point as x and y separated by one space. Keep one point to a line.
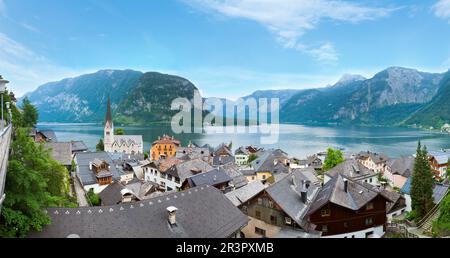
241 159
376 232
153 175
97 188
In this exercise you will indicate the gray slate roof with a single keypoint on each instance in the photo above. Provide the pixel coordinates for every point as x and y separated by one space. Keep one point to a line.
111 195
50 135
79 146
222 160
185 169
245 193
266 162
203 212
403 166
85 174
60 151
192 152
286 193
441 157
333 191
213 177
232 170
352 169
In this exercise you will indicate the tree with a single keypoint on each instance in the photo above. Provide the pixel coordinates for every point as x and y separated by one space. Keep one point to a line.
421 183
26 190
119 131
146 155
334 158
100 145
441 227
30 114
252 157
34 181
94 198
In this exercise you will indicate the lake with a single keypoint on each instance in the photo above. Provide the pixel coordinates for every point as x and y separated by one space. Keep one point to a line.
298 140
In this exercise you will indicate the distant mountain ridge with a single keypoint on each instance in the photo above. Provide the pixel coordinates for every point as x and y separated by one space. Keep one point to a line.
84 98
395 96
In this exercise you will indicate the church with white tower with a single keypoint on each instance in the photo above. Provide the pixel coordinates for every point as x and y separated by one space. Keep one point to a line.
129 144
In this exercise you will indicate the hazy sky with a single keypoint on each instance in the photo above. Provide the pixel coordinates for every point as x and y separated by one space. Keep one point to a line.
228 48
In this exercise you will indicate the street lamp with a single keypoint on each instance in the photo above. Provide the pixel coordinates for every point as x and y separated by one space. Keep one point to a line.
3 83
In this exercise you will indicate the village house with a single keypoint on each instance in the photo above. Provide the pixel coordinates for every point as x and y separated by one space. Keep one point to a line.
129 144
314 161
439 192
43 136
397 205
241 156
163 148
349 209
177 174
61 152
373 161
193 152
201 212
118 192
78 146
354 170
270 165
398 170
279 210
237 177
216 178
439 162
95 170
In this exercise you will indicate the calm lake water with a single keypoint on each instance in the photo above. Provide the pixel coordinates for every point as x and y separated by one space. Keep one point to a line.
298 140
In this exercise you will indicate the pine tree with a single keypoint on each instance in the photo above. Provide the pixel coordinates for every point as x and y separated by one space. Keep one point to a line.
422 183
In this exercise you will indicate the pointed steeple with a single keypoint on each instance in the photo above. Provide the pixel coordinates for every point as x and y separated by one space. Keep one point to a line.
108 112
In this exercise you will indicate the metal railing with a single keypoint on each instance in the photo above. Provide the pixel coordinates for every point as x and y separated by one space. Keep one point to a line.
5 140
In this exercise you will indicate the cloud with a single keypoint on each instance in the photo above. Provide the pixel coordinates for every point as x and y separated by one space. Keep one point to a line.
30 27
288 20
442 9
26 69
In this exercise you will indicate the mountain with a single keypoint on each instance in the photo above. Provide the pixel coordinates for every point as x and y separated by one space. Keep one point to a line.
386 99
283 95
395 96
437 112
136 97
83 99
151 99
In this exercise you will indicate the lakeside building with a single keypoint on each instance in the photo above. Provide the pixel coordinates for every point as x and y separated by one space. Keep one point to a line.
164 148
130 144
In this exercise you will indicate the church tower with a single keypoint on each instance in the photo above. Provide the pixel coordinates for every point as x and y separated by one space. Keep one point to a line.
109 128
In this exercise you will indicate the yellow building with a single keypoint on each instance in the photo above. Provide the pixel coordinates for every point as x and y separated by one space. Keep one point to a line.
165 147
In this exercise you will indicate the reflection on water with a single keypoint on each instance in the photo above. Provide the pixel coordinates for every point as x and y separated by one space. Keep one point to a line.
297 140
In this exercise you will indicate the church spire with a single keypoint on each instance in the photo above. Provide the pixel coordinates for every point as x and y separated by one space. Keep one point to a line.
108 112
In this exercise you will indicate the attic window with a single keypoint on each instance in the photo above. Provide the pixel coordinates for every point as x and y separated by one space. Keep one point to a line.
369 206
288 220
325 212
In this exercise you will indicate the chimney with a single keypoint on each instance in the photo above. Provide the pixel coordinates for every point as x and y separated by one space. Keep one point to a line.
346 185
172 215
304 195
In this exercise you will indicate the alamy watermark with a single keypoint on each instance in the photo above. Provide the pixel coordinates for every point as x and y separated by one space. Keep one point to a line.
217 116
